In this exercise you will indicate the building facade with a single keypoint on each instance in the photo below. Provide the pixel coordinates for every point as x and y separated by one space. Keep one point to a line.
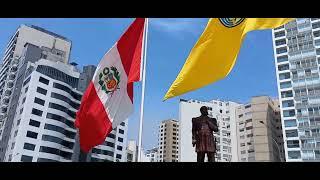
168 141
152 154
225 113
297 58
259 131
43 127
59 48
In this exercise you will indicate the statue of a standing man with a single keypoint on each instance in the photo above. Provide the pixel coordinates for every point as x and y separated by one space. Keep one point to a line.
202 135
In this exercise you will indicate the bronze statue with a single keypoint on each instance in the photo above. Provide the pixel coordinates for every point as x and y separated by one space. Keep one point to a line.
202 135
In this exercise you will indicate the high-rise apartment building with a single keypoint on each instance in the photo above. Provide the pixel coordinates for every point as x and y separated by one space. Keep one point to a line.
168 141
42 45
297 58
152 154
225 113
45 101
259 131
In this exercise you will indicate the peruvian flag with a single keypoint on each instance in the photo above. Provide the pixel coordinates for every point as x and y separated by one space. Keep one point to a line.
108 99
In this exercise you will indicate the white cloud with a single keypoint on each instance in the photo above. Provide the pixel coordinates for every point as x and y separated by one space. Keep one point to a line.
178 26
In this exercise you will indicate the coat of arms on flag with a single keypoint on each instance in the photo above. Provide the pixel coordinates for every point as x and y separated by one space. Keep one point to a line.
109 79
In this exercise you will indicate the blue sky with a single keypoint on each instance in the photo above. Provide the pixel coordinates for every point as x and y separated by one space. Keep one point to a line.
170 41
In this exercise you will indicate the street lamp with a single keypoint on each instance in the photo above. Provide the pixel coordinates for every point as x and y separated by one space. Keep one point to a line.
273 141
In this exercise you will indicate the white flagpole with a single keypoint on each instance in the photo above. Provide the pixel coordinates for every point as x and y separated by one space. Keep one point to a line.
143 87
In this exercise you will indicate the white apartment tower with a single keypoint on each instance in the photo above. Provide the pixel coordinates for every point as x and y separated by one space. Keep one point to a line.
297 59
59 48
225 113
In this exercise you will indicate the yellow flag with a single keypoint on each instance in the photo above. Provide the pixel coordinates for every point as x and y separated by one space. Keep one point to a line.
215 53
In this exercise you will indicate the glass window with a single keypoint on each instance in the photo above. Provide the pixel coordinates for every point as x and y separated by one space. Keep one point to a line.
279 34
61 130
120 139
36 112
63 109
34 123
290 123
25 158
100 151
289 113
119 148
122 124
287 103
45 160
65 99
118 156
111 136
292 133
50 150
281 50
43 80
293 143
110 144
57 140
68 90
283 76
39 101
121 131
29 146
41 91
60 119
280 42
294 155
26 81
283 67
282 59
31 134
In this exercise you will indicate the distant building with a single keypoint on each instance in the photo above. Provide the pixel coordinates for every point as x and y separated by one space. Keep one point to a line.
168 141
259 131
152 154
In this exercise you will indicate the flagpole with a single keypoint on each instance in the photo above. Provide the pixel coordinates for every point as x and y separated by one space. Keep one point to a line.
143 88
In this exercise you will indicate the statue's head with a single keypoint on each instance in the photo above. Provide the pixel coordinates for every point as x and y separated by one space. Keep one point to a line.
204 110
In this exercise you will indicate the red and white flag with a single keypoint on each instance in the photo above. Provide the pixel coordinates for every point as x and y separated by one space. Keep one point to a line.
108 99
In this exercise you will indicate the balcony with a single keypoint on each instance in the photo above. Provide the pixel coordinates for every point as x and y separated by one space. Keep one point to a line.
12 76
307 136
8 92
310 147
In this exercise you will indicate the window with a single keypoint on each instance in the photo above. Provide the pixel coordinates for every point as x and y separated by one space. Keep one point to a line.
39 101
15 133
18 122
112 136
26 90
242 129
293 143
285 94
121 131
68 90
315 25
25 158
248 120
280 42
294 155
248 128
240 115
26 81
34 123
292 133
120 139
118 156
23 100
46 160
250 135
288 103
43 80
60 119
316 33
282 59
285 85
41 91
283 76
31 134
57 140
50 150
110 144
250 151
242 137
36 112
29 146
65 99
123 124
21 110
61 130
289 113
281 50
283 67
104 152
279 34
290 123
119 148
243 152
247 106
242 144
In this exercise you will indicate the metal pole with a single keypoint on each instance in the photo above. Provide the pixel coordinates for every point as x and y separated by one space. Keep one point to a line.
145 40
